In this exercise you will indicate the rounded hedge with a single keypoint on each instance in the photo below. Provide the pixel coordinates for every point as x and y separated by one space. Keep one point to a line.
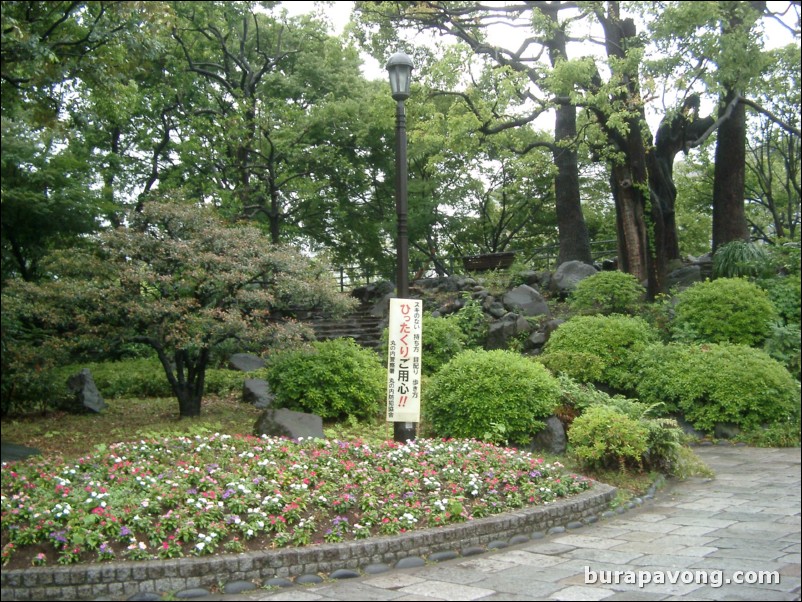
334 379
727 310
490 395
598 349
715 383
607 293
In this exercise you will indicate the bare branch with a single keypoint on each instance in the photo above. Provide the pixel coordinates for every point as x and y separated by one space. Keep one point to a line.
763 111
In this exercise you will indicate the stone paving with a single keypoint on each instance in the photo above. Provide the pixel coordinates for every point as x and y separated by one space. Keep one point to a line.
700 539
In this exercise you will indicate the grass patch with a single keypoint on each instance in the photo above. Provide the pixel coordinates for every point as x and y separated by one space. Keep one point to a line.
58 433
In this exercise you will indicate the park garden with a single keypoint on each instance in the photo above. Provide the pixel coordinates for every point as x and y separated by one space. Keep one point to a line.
181 179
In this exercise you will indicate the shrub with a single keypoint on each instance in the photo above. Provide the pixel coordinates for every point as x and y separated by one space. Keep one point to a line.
740 258
598 349
718 383
604 437
783 346
145 377
442 340
576 397
472 322
607 293
664 438
785 292
727 310
490 395
333 379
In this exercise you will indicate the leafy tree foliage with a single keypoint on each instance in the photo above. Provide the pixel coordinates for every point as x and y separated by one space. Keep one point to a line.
179 281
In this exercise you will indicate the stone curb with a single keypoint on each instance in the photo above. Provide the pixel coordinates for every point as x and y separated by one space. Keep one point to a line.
127 579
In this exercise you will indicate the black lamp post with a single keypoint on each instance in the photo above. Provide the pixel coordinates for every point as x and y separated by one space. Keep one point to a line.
400 69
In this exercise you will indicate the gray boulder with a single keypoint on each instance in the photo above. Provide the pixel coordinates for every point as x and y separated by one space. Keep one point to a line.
257 391
726 430
246 362
501 331
526 300
551 439
568 274
287 423
14 451
685 277
86 394
536 340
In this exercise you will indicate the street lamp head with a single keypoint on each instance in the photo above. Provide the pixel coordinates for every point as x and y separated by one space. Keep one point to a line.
400 69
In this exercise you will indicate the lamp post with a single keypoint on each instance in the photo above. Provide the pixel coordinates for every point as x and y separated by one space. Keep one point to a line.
399 68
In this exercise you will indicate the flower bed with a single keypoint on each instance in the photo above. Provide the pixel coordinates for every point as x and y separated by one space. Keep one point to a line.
204 495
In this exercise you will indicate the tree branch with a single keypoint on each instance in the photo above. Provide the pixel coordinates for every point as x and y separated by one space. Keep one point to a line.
763 111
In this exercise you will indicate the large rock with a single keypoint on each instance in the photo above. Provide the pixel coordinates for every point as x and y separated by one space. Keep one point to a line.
684 277
14 451
551 439
373 292
525 300
287 423
568 274
86 394
257 391
246 362
508 327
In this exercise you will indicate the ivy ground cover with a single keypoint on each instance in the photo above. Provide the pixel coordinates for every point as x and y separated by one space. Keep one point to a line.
186 496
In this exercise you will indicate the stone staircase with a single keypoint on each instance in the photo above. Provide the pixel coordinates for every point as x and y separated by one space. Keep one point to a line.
360 325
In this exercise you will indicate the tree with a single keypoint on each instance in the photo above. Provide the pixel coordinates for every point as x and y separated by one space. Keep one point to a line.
48 48
773 152
182 282
467 22
719 45
272 118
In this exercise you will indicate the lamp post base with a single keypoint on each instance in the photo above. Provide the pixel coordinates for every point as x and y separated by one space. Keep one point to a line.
403 431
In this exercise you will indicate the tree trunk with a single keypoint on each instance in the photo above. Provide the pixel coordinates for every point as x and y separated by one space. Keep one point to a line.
676 133
571 227
639 218
187 378
729 214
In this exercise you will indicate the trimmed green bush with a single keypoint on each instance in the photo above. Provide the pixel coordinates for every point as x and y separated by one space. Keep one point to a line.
605 437
598 349
607 293
727 310
334 379
490 395
716 383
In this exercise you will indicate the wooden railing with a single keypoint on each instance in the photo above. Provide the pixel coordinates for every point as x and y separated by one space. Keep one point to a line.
541 258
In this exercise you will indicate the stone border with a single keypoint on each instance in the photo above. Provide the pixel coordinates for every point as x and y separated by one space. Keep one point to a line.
125 579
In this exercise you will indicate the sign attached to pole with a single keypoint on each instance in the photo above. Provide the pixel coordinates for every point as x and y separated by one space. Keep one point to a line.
404 360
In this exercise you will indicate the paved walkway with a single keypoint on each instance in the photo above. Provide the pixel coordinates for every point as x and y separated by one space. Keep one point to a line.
721 531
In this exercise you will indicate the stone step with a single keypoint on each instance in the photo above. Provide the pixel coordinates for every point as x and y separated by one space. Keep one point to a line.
360 325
